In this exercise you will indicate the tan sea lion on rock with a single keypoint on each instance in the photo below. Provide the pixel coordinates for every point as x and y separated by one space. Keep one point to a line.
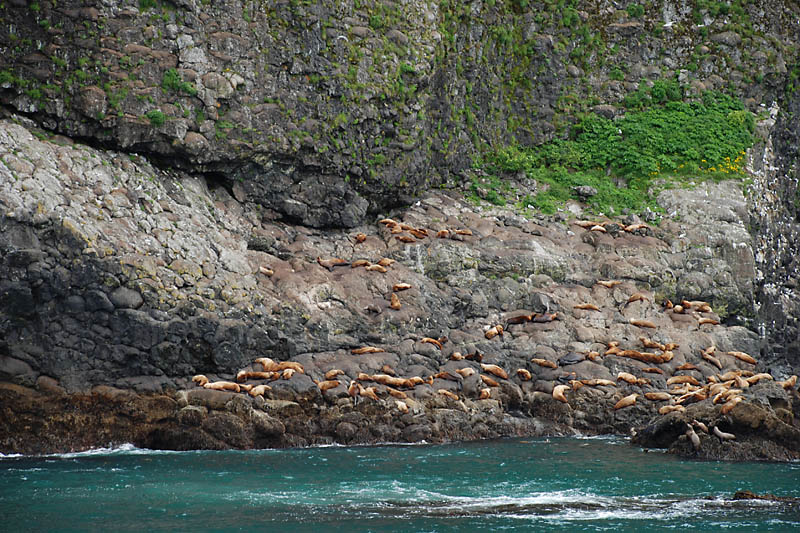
627 401
559 393
642 323
366 349
332 262
494 369
259 390
244 375
330 374
544 362
203 381
271 366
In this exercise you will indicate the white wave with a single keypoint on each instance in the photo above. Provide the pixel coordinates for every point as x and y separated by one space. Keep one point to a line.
10 456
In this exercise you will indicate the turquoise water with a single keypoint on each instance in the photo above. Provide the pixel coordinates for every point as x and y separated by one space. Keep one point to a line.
557 484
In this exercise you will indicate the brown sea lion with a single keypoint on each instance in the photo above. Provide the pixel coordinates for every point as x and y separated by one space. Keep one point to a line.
366 349
429 340
489 381
524 374
544 362
559 393
332 262
627 401
494 369
586 307
642 323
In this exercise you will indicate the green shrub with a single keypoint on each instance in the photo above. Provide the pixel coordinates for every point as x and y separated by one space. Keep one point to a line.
156 117
172 82
666 141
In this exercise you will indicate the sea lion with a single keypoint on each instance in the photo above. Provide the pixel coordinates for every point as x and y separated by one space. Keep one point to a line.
332 262
360 237
444 374
788 384
524 374
259 390
642 323
394 302
445 392
397 287
366 349
595 382
542 318
456 356
397 393
477 356
679 380
266 271
636 297
711 359
407 239
288 373
544 362
741 383
666 409
244 375
376 268
575 384
386 369
495 370
653 370
396 229
585 224
442 234
599 228
586 307
559 393
728 406
693 437
658 396
330 374
593 356
519 319
647 343
633 380
388 222
741 356
328 384
386 262
369 392
401 406
686 366
635 227
627 401
722 435
494 331
705 320
359 263
730 375
752 380
466 372
484 394
203 381
271 366
429 340
466 232
419 233
489 381
608 284
699 425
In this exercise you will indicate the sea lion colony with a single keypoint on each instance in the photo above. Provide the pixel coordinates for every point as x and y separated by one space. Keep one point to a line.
722 389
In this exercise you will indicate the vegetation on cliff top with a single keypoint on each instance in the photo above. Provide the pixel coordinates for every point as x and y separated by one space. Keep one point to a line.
629 159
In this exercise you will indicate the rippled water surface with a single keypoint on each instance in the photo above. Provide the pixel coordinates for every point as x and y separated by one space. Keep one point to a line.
558 484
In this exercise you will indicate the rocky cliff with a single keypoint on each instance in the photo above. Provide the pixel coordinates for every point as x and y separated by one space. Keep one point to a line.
171 173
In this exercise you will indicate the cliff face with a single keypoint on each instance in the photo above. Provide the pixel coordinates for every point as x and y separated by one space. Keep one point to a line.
170 173
327 111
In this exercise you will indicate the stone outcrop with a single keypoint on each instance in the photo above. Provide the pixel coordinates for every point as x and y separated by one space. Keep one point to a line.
122 281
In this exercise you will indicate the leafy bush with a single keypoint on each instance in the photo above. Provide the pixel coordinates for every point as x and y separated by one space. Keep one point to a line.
706 138
156 117
172 82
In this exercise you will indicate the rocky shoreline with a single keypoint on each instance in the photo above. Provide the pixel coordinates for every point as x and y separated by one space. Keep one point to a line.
121 282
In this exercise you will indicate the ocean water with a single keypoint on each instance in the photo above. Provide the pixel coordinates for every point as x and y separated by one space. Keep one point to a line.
556 484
